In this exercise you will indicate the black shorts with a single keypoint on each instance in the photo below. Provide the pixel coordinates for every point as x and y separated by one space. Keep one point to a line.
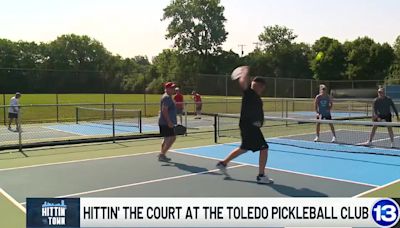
13 115
198 107
387 118
252 138
325 117
179 111
166 131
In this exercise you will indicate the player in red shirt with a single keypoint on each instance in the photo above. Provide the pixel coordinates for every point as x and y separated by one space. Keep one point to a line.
179 102
197 99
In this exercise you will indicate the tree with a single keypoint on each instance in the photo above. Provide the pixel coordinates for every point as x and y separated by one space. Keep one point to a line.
396 47
73 52
276 36
196 26
328 62
367 59
394 75
280 55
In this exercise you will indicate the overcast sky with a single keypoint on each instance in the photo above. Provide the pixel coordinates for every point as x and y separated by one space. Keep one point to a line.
133 27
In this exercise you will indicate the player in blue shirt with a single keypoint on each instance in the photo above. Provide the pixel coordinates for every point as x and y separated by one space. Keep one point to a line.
167 120
323 105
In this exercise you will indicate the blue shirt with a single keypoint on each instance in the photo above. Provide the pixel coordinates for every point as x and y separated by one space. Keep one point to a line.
323 103
167 101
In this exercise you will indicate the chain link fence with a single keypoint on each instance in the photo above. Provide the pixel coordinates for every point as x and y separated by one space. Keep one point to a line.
31 81
88 122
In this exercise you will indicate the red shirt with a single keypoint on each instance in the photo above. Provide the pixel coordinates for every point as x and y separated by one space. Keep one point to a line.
179 100
197 98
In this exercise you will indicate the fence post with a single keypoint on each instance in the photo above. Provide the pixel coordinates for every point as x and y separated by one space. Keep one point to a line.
294 91
4 109
287 114
275 87
311 89
226 93
145 103
113 122
19 128
104 105
57 110
186 117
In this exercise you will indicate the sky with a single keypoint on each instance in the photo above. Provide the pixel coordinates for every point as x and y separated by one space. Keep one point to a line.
134 27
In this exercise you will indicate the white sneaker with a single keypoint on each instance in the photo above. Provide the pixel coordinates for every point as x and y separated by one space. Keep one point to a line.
222 168
316 139
264 180
333 139
392 145
367 143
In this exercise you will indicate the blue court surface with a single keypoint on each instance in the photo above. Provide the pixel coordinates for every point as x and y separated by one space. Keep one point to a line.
359 168
93 129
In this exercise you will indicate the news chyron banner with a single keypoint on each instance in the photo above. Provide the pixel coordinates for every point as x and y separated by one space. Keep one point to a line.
212 212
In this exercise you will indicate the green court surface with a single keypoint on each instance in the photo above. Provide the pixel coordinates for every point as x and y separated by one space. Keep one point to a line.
59 156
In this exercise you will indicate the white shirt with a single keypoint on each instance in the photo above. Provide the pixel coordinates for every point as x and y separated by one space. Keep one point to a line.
14 105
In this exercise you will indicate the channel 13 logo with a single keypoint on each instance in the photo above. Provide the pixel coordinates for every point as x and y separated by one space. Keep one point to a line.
386 212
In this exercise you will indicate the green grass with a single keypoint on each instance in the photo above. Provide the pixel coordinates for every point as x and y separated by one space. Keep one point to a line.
212 104
392 191
50 113
11 216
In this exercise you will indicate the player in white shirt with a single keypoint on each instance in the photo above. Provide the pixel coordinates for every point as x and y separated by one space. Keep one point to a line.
13 111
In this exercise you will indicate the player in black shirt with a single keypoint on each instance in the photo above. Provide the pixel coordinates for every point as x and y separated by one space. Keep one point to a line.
251 120
382 112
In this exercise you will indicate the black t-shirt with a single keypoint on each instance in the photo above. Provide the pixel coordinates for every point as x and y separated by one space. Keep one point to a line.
382 106
252 108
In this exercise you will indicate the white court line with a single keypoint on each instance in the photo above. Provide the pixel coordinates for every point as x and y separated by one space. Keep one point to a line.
281 170
101 158
142 183
112 157
77 161
70 132
377 188
12 200
25 132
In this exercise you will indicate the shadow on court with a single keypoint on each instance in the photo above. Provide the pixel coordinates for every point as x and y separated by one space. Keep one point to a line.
189 168
284 189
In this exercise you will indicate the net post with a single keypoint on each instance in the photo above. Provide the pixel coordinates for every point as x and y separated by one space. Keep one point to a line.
76 115
215 128
113 122
140 122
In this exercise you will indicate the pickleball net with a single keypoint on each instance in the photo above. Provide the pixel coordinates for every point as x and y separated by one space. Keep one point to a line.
351 136
122 119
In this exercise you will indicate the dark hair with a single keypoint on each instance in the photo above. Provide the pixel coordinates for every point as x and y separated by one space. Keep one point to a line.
259 80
